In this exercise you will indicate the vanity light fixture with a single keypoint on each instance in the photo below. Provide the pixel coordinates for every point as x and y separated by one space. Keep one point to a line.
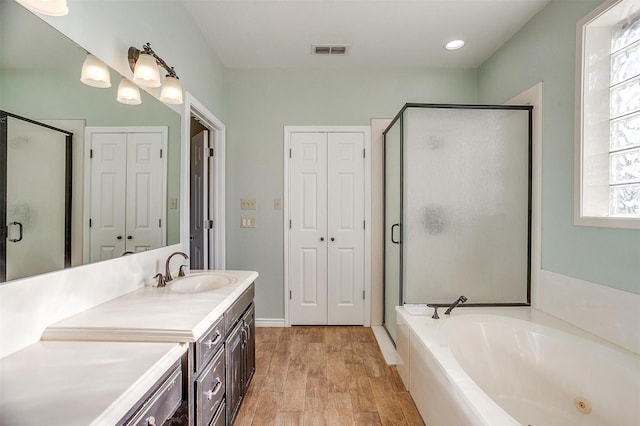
46 7
144 64
171 91
454 45
128 93
95 73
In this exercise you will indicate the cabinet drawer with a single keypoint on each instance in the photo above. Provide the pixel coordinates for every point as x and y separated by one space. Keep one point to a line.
162 403
236 310
209 344
210 389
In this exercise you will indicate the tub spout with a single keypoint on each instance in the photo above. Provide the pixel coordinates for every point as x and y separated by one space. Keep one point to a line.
460 299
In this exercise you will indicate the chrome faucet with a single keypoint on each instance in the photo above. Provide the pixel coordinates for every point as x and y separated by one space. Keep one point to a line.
460 299
167 276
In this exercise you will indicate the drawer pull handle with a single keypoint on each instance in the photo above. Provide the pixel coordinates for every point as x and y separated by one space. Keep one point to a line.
210 394
151 421
209 343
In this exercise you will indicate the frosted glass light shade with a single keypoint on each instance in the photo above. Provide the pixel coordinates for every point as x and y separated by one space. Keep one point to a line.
171 92
128 93
95 73
46 7
146 71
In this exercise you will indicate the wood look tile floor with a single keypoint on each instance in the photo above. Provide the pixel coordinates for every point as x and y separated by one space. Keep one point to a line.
330 376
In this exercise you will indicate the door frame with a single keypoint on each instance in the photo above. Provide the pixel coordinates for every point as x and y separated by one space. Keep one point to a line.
366 130
217 135
90 130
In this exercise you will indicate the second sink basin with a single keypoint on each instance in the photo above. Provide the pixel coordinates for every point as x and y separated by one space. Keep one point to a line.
201 282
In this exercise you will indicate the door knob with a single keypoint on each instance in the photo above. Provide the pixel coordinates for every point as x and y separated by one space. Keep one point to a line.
119 237
129 237
321 238
333 239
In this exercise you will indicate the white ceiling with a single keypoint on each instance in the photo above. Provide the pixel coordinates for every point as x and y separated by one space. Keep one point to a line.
381 33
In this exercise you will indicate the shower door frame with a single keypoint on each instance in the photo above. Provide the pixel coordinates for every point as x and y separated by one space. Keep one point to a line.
400 117
4 115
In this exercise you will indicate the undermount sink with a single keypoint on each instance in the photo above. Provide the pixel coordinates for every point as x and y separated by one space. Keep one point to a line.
201 282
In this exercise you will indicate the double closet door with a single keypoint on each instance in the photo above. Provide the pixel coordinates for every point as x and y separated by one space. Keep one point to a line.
127 191
326 235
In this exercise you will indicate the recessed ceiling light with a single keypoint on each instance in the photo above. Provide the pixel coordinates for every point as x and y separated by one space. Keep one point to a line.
454 45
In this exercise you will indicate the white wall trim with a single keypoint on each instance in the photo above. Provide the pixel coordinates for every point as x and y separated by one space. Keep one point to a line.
270 322
192 107
607 312
288 130
533 97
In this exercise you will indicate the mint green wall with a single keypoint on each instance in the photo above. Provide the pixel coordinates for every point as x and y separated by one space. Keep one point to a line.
259 103
545 50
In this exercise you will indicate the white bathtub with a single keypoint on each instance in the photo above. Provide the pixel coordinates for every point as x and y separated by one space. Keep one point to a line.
512 366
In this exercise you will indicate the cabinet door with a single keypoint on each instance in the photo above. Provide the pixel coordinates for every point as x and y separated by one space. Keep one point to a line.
308 235
234 377
249 326
108 183
145 192
345 228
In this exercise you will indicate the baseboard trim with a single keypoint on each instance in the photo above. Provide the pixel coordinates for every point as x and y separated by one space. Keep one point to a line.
269 322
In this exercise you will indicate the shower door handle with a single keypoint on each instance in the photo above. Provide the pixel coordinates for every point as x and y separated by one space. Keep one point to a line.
15 240
393 226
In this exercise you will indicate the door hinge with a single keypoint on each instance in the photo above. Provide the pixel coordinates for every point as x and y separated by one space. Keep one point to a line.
289 294
289 152
364 153
209 152
208 224
363 298
364 224
160 152
90 153
160 223
90 223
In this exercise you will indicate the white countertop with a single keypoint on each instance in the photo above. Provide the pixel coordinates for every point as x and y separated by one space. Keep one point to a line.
152 314
80 383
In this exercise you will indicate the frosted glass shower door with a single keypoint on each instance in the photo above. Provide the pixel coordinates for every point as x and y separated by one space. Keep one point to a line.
466 204
392 228
35 199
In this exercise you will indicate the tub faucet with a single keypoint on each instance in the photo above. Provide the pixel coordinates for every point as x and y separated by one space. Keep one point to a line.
167 276
460 299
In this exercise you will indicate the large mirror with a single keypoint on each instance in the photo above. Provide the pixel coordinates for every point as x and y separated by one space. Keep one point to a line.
40 82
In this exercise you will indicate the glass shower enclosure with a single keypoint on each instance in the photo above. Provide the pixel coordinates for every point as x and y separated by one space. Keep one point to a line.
35 197
457 199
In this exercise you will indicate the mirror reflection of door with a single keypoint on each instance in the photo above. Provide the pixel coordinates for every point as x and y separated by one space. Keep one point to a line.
127 199
200 226
35 197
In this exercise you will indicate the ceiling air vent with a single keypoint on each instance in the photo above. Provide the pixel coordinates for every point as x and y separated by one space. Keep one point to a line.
329 49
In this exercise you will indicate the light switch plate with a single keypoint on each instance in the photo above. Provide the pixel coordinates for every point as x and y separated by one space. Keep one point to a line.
173 203
247 204
277 204
247 222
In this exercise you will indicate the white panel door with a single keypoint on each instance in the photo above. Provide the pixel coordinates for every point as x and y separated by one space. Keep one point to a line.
326 237
308 238
345 225
144 192
108 183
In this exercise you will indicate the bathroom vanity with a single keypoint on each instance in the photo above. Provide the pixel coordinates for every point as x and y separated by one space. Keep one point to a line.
215 324
82 383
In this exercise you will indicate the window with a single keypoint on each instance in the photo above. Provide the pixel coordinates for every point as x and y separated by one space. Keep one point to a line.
608 117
